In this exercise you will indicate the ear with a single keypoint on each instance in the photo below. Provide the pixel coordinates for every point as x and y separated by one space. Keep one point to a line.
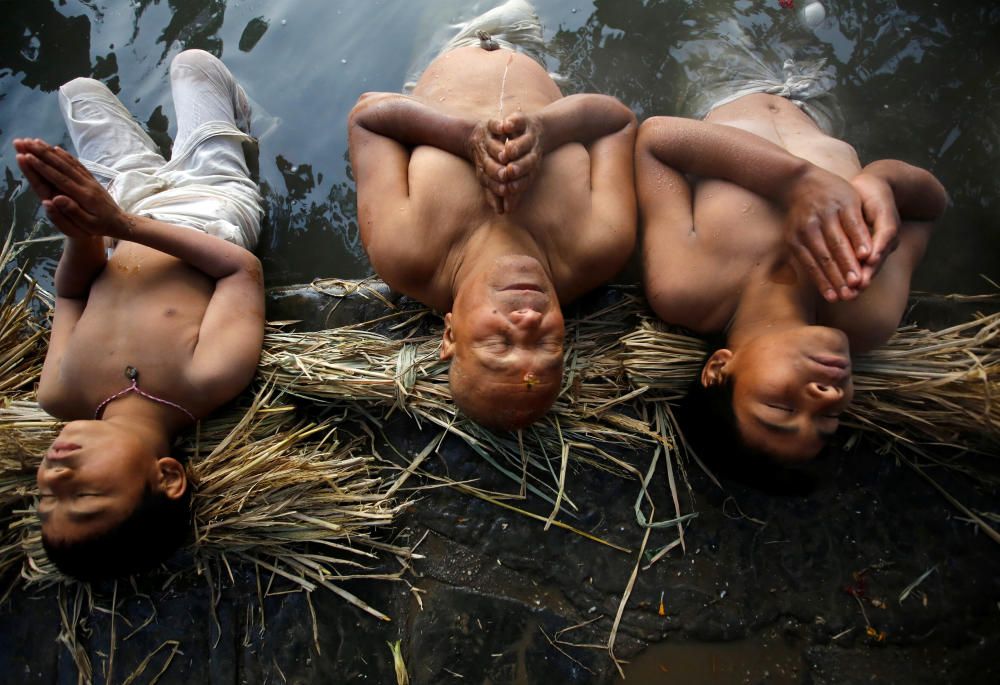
447 339
714 371
173 477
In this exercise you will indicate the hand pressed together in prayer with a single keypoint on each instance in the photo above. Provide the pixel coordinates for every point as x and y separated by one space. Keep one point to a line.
840 232
507 152
73 199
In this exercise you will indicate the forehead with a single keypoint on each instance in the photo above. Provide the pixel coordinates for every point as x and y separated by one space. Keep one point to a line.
80 518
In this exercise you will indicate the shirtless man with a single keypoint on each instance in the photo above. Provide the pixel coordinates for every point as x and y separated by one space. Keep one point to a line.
760 227
496 213
156 336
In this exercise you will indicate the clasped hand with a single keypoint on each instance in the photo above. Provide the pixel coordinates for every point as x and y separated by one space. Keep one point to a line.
840 232
73 199
506 154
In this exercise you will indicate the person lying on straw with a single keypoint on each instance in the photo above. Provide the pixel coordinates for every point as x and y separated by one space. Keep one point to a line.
761 227
155 336
489 196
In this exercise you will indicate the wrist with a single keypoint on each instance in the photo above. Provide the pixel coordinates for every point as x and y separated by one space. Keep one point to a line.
801 177
121 226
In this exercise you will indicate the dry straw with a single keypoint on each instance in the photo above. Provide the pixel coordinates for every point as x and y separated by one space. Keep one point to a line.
922 387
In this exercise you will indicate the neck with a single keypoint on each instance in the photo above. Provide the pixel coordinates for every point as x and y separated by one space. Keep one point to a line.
771 301
145 420
498 237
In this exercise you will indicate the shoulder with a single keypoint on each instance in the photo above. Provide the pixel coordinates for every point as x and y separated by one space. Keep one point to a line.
55 400
702 305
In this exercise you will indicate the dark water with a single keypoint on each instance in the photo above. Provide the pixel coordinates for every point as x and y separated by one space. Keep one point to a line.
919 81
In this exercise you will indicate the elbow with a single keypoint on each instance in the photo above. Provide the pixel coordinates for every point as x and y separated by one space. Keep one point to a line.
662 137
939 197
361 107
369 105
253 271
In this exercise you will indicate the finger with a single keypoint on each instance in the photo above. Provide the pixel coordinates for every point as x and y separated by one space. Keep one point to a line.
61 221
814 241
842 252
519 147
43 189
885 227
494 148
22 145
496 127
492 168
68 164
72 210
515 124
814 272
522 168
490 184
49 173
857 231
868 272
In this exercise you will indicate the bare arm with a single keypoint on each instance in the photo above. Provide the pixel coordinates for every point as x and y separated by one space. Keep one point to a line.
919 196
380 164
411 122
825 228
673 265
607 235
231 331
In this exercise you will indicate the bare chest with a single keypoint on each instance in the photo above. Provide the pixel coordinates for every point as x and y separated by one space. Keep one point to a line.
150 323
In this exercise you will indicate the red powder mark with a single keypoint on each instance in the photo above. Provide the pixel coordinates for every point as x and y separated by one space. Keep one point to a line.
787 4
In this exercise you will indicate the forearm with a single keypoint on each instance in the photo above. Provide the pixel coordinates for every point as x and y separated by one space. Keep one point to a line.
411 122
727 153
213 256
82 260
583 119
919 195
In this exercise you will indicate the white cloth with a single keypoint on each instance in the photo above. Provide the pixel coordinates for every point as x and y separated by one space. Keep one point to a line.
514 25
206 184
725 64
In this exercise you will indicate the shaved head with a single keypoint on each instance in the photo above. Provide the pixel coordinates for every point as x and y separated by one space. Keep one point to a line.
503 400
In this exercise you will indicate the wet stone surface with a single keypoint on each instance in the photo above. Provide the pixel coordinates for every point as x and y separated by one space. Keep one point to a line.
770 589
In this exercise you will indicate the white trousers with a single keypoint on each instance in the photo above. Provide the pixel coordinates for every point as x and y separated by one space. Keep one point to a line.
205 185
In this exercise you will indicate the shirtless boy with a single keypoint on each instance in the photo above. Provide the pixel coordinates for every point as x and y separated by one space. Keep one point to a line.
760 227
496 213
156 336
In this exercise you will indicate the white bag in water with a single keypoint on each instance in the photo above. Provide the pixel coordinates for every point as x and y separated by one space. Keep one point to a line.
812 15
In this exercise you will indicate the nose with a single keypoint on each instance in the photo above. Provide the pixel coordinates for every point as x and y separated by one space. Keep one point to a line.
525 318
825 393
53 476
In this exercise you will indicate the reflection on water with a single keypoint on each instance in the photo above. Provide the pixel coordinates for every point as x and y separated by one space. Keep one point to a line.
918 83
